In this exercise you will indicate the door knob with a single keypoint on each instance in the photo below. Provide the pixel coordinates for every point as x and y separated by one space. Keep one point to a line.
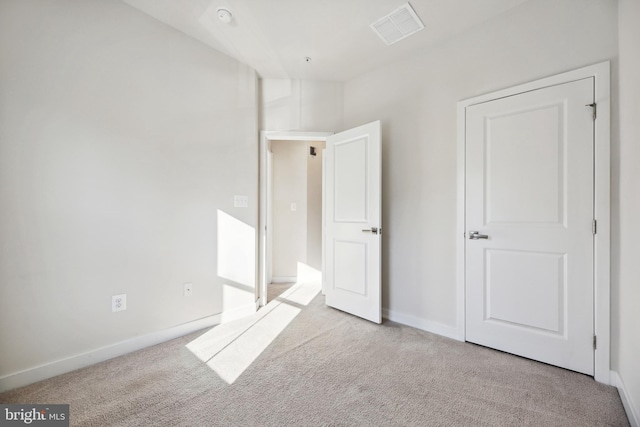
475 235
373 230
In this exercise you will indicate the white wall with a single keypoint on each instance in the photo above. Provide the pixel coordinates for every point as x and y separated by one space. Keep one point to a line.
300 105
289 186
416 101
297 178
314 205
122 143
626 215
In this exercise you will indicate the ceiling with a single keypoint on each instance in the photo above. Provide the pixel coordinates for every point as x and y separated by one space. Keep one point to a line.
274 36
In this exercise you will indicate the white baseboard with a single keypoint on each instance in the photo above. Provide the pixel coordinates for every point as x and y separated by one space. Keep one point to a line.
59 367
423 324
630 409
284 279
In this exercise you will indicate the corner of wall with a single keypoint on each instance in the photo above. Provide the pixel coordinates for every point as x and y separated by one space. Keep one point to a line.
422 324
629 407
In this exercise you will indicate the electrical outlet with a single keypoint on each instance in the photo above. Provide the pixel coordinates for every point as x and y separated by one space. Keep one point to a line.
119 303
188 289
240 201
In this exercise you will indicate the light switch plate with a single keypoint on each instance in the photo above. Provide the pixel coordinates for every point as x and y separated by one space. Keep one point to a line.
241 201
294 206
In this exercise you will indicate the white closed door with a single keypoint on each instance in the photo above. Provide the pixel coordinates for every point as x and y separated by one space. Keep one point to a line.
353 221
529 225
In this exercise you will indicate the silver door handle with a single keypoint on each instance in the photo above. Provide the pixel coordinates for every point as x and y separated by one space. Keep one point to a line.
475 235
373 230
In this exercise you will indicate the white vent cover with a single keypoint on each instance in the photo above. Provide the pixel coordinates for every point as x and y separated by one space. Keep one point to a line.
397 25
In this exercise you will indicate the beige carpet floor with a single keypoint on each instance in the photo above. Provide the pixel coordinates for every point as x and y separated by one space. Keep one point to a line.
325 368
274 290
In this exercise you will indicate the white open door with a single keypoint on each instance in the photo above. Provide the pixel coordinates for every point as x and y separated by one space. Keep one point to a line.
529 224
353 221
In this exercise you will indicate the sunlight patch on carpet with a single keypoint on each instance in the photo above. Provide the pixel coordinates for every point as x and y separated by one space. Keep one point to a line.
230 348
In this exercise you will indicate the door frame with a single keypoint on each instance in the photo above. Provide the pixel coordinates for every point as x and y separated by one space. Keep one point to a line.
265 226
602 188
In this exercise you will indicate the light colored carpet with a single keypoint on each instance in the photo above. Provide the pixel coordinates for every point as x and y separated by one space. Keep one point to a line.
274 290
326 368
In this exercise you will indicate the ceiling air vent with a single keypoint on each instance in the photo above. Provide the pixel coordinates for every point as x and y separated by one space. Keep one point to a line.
397 25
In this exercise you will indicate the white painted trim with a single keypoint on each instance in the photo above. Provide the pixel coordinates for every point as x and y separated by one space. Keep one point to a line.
461 224
264 258
284 279
263 273
324 226
632 412
295 136
602 213
59 367
422 324
601 73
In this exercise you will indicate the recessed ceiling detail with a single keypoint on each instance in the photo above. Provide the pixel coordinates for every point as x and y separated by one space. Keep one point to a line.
399 24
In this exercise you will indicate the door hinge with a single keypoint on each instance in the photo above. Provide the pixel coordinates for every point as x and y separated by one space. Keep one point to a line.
595 109
594 226
595 342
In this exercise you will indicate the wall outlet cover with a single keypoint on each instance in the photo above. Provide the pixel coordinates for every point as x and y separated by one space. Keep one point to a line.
119 302
188 289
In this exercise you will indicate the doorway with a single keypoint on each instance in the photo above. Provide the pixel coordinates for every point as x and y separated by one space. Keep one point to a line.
351 233
295 210
288 205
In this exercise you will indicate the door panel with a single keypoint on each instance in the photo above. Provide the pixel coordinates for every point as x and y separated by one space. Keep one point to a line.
526 289
350 268
533 166
350 171
529 189
353 210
